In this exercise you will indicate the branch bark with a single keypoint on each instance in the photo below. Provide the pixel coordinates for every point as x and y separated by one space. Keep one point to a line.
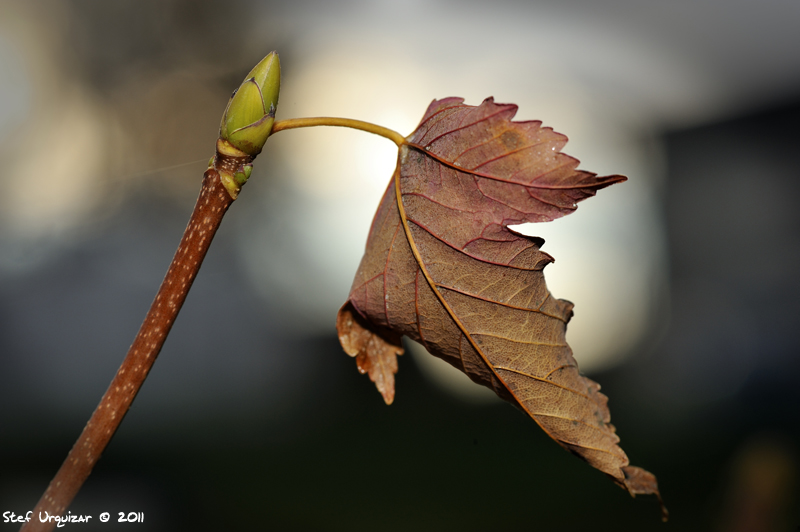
211 206
214 201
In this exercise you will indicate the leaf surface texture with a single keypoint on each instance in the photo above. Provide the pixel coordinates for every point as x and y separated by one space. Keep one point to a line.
442 267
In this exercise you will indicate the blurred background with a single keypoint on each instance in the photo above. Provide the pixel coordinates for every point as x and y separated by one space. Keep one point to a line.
684 278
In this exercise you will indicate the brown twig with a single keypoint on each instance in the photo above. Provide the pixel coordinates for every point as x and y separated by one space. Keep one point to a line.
211 206
214 200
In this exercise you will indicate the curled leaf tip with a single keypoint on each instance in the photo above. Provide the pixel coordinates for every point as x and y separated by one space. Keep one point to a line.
375 351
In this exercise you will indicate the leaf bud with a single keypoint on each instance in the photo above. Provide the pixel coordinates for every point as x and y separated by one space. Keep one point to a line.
243 174
248 118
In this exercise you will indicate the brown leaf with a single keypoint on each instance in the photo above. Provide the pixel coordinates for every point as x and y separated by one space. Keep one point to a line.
442 267
376 354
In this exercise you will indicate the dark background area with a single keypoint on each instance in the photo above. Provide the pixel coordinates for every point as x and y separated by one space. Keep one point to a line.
247 423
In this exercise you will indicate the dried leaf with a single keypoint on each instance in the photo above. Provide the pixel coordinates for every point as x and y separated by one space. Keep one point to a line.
442 267
374 354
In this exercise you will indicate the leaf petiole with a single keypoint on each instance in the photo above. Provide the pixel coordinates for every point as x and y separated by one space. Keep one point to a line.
294 123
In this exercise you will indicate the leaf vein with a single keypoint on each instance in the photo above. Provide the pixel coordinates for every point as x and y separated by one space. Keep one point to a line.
507 305
540 379
443 241
545 344
505 180
461 126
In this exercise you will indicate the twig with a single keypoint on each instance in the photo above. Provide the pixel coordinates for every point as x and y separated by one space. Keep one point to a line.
211 206
215 198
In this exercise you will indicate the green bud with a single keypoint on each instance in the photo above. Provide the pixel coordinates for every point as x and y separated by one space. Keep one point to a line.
243 174
248 119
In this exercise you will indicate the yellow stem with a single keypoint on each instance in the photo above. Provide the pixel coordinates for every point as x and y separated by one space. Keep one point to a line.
293 123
